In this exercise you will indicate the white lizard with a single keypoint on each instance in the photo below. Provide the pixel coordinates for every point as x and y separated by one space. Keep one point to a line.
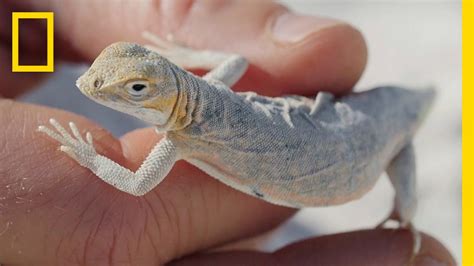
292 151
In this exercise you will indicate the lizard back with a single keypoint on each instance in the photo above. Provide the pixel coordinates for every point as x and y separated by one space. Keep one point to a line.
294 150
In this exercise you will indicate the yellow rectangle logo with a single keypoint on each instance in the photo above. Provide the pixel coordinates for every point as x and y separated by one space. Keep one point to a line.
49 67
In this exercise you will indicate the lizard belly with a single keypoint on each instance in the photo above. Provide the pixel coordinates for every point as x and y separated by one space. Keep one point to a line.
292 171
333 185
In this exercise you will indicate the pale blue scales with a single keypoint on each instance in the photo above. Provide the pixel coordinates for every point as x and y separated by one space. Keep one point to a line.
346 144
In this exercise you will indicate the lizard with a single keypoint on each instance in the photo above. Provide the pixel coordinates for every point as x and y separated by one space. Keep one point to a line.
293 151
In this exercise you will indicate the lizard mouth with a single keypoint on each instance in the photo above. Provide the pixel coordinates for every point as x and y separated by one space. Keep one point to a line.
91 93
83 89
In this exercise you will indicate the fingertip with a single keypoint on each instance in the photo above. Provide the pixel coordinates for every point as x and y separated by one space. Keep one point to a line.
342 60
138 143
433 252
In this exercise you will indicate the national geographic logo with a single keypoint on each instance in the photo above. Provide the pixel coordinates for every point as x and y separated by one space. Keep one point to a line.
49 17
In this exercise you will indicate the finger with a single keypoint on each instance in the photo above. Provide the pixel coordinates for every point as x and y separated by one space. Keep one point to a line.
370 247
290 53
42 188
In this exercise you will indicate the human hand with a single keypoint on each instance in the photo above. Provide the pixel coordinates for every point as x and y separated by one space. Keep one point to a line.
52 211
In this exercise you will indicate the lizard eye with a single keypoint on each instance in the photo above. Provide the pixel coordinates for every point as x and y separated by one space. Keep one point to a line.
137 88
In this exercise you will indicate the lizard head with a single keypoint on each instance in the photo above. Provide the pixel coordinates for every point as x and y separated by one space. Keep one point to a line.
132 79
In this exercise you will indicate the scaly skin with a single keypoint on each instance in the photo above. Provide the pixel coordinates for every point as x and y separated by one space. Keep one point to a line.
292 151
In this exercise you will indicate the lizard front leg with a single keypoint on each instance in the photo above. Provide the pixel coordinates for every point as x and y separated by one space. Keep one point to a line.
152 171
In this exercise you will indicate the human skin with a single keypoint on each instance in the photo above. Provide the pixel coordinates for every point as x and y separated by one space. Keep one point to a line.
52 211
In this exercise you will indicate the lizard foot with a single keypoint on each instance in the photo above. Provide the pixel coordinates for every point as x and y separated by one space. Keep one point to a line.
75 146
183 56
416 236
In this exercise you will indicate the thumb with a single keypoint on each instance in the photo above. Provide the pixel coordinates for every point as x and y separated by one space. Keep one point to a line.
289 53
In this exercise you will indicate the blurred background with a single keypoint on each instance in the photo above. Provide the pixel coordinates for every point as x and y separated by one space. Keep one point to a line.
411 43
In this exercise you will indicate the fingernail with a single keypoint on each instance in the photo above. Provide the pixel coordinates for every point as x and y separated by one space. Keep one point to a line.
290 28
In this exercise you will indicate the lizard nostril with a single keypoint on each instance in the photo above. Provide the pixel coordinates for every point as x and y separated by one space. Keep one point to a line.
97 83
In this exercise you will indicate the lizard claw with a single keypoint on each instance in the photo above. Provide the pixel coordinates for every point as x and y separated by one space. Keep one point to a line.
89 138
416 236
